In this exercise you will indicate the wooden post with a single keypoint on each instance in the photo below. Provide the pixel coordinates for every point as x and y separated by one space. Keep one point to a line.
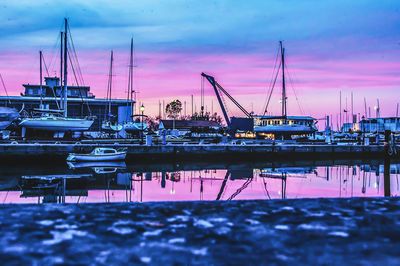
386 171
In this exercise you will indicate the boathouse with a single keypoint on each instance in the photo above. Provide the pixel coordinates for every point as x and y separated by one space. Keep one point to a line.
81 102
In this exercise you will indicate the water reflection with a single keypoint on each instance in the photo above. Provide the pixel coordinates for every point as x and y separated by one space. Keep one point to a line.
118 182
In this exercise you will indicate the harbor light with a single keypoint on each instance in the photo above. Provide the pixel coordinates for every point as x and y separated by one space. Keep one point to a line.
142 129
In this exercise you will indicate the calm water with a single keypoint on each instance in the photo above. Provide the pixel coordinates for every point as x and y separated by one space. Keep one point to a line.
126 182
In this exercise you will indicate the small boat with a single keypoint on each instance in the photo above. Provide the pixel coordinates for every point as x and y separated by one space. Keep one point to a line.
7 116
80 165
98 154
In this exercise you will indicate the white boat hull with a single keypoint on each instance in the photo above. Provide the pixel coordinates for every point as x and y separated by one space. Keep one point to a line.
73 157
7 116
299 129
134 127
57 124
112 128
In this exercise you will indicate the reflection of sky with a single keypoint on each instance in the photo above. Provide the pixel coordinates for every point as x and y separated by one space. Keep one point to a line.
201 185
331 46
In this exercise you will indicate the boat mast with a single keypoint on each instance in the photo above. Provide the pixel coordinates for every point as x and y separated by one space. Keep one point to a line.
284 111
65 67
41 94
130 89
61 70
110 85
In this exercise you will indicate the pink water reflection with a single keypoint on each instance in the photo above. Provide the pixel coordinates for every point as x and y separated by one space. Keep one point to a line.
343 181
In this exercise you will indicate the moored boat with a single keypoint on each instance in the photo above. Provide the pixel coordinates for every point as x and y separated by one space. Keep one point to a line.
98 154
56 123
7 116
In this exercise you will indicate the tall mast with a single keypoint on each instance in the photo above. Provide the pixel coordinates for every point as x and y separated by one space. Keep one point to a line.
130 85
41 96
65 67
61 69
284 111
352 110
110 85
365 109
340 110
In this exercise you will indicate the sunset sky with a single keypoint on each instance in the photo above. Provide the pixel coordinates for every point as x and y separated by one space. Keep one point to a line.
331 46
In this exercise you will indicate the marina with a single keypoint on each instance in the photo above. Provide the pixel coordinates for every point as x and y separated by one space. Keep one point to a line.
188 133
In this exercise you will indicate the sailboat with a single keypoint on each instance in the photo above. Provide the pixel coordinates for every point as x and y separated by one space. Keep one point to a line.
7 114
136 125
284 126
107 125
51 120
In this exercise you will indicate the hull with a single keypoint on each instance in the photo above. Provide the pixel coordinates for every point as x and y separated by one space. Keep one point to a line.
285 129
57 124
99 164
135 127
7 116
73 157
111 128
4 124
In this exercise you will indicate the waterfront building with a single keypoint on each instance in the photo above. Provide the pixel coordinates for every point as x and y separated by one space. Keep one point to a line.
373 125
81 102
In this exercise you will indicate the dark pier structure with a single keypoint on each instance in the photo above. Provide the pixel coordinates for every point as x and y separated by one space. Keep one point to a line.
59 151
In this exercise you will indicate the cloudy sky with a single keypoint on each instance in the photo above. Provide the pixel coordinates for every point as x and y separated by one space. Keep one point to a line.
331 46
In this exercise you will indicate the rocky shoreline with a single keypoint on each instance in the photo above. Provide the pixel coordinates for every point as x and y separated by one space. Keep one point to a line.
306 231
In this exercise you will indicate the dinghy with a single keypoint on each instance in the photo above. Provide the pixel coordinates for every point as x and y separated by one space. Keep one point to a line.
98 154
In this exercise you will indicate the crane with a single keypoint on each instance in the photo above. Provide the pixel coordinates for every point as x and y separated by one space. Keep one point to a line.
218 88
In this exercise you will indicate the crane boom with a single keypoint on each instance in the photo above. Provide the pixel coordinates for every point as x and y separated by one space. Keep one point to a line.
217 87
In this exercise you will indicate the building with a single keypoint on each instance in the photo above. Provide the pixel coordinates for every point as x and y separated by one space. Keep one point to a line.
373 125
81 102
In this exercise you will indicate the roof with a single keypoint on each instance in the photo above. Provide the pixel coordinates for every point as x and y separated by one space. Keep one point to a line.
183 124
70 99
288 117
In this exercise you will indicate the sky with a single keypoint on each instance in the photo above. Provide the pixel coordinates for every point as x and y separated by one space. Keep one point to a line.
330 46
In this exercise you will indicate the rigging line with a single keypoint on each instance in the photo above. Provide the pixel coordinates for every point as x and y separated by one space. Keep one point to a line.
77 83
272 89
224 102
53 53
266 189
45 66
76 56
4 86
244 186
295 94
272 77
75 63
52 88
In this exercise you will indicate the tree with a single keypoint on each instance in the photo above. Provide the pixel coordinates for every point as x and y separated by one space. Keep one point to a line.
173 109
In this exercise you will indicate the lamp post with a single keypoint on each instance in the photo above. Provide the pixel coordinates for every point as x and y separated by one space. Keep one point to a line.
142 131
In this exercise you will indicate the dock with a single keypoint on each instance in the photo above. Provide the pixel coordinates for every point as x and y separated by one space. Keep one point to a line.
60 150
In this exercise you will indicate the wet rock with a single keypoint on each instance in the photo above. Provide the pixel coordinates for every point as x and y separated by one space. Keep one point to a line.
307 231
